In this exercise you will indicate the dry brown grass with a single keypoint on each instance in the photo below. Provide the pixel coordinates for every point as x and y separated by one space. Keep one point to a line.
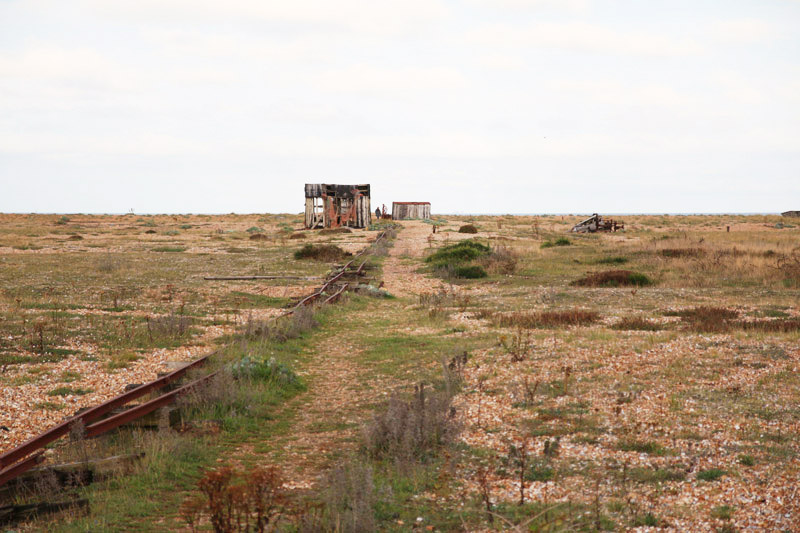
546 319
614 278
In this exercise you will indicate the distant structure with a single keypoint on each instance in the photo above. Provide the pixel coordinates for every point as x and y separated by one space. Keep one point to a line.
791 213
332 206
597 223
411 210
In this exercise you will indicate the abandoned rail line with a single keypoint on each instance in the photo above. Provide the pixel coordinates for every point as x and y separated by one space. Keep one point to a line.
96 421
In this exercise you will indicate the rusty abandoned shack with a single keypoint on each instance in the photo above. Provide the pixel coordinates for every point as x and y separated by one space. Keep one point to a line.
332 206
791 214
597 223
411 210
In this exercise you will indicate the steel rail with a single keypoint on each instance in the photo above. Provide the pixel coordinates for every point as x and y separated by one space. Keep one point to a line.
94 413
21 467
146 408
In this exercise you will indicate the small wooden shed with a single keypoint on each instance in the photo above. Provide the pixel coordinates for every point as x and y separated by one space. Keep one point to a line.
411 210
332 206
791 213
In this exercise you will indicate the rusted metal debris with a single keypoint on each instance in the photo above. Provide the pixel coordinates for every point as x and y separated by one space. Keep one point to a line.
597 223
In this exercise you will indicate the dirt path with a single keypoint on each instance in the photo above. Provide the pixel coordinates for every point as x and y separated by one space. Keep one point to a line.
399 270
342 388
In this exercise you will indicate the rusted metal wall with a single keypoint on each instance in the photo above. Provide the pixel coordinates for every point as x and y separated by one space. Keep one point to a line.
411 210
331 206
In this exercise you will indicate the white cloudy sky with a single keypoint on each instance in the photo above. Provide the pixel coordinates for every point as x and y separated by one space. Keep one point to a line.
497 106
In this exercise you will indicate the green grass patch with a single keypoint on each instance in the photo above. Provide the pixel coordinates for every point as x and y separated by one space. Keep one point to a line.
69 391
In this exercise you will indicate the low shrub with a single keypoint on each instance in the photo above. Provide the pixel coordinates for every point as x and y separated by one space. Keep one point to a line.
334 231
469 272
297 236
635 323
781 325
681 252
296 324
151 231
258 237
266 370
614 278
461 252
712 474
321 252
254 229
614 260
706 319
468 228
547 319
561 241
75 238
410 429
169 249
638 446
502 260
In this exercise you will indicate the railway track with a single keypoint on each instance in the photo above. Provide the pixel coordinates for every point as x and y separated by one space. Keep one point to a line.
16 461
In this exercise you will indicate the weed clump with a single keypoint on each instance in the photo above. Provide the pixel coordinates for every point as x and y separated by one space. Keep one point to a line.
258 237
561 241
297 236
612 260
411 429
712 474
269 370
468 228
635 323
461 252
232 500
547 319
453 260
470 272
614 278
502 260
334 231
321 252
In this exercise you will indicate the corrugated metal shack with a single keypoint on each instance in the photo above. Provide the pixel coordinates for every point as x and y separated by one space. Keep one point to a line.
332 206
411 210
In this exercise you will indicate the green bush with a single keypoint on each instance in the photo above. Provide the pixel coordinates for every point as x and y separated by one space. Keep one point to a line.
468 228
254 229
321 252
469 272
267 370
712 474
461 252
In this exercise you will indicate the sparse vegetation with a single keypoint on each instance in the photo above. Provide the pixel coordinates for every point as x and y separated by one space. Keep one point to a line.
614 278
321 252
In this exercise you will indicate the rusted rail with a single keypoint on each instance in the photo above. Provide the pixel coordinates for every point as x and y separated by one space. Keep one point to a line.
94 413
139 411
21 467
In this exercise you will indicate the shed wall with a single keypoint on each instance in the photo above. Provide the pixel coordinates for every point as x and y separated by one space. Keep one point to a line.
409 211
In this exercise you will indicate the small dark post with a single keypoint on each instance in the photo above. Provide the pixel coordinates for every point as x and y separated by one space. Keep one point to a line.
434 228
728 228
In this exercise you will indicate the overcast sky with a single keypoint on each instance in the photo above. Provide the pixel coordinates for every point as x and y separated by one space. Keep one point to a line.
478 106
